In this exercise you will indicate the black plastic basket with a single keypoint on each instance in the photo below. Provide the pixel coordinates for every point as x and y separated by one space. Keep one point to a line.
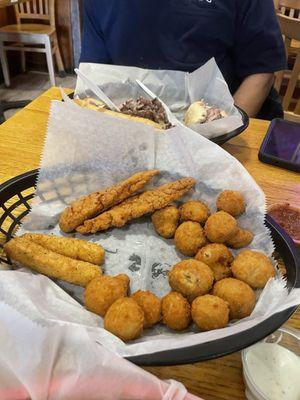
15 196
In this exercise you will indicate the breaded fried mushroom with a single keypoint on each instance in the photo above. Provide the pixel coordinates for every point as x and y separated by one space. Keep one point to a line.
239 296
194 210
125 319
166 221
218 257
220 227
189 238
253 267
191 278
210 312
232 202
176 311
241 239
103 291
150 304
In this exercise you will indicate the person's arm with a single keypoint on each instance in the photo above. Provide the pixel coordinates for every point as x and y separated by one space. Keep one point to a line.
258 52
93 44
253 91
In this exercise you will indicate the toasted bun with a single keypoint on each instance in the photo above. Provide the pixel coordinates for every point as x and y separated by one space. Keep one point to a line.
97 105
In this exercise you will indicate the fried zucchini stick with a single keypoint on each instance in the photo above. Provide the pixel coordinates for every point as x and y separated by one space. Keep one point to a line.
74 248
49 263
93 204
137 206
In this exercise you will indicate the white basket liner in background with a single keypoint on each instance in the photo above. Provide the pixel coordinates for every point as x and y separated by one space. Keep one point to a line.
176 89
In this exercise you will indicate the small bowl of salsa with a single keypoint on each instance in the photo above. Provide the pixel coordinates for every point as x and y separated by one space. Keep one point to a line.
288 217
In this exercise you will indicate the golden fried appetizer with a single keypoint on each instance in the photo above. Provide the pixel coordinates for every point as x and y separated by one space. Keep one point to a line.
218 257
232 202
239 296
49 263
176 311
73 248
102 291
125 319
189 238
150 304
241 239
191 278
95 203
166 221
194 210
253 267
220 227
137 206
210 312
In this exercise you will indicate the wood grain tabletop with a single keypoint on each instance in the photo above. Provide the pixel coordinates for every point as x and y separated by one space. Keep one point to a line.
21 142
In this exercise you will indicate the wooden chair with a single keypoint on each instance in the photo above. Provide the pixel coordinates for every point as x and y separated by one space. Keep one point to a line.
290 8
290 28
33 37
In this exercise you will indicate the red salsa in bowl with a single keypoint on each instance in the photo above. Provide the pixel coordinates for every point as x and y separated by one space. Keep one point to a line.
288 217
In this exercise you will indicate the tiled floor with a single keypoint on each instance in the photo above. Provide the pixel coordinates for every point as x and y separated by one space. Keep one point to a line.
30 85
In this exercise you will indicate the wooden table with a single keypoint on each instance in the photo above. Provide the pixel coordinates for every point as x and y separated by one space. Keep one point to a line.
21 142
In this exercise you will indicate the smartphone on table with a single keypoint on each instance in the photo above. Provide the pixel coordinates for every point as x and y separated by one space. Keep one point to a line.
281 145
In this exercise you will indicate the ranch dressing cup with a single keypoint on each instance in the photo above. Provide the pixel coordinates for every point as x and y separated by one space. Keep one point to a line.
272 367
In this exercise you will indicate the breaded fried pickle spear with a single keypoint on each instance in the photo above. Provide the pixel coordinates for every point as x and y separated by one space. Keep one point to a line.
142 204
93 204
69 247
49 263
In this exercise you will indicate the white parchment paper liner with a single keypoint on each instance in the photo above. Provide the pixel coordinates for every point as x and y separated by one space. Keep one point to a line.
176 89
44 358
86 150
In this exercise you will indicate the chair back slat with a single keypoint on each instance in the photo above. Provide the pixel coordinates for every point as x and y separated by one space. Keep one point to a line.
21 8
46 7
291 13
290 28
28 7
36 10
288 4
297 108
34 4
41 6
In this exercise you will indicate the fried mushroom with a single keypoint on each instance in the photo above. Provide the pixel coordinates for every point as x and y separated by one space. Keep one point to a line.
176 311
218 257
210 312
150 304
125 319
241 239
166 221
189 238
103 291
191 278
239 296
232 202
194 210
220 227
253 267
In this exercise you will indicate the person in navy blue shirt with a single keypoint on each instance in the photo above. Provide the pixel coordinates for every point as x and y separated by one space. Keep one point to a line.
242 35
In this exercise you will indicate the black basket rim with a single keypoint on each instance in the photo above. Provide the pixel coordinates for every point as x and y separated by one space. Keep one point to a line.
288 251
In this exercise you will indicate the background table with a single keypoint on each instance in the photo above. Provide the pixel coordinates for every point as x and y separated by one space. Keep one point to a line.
21 142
